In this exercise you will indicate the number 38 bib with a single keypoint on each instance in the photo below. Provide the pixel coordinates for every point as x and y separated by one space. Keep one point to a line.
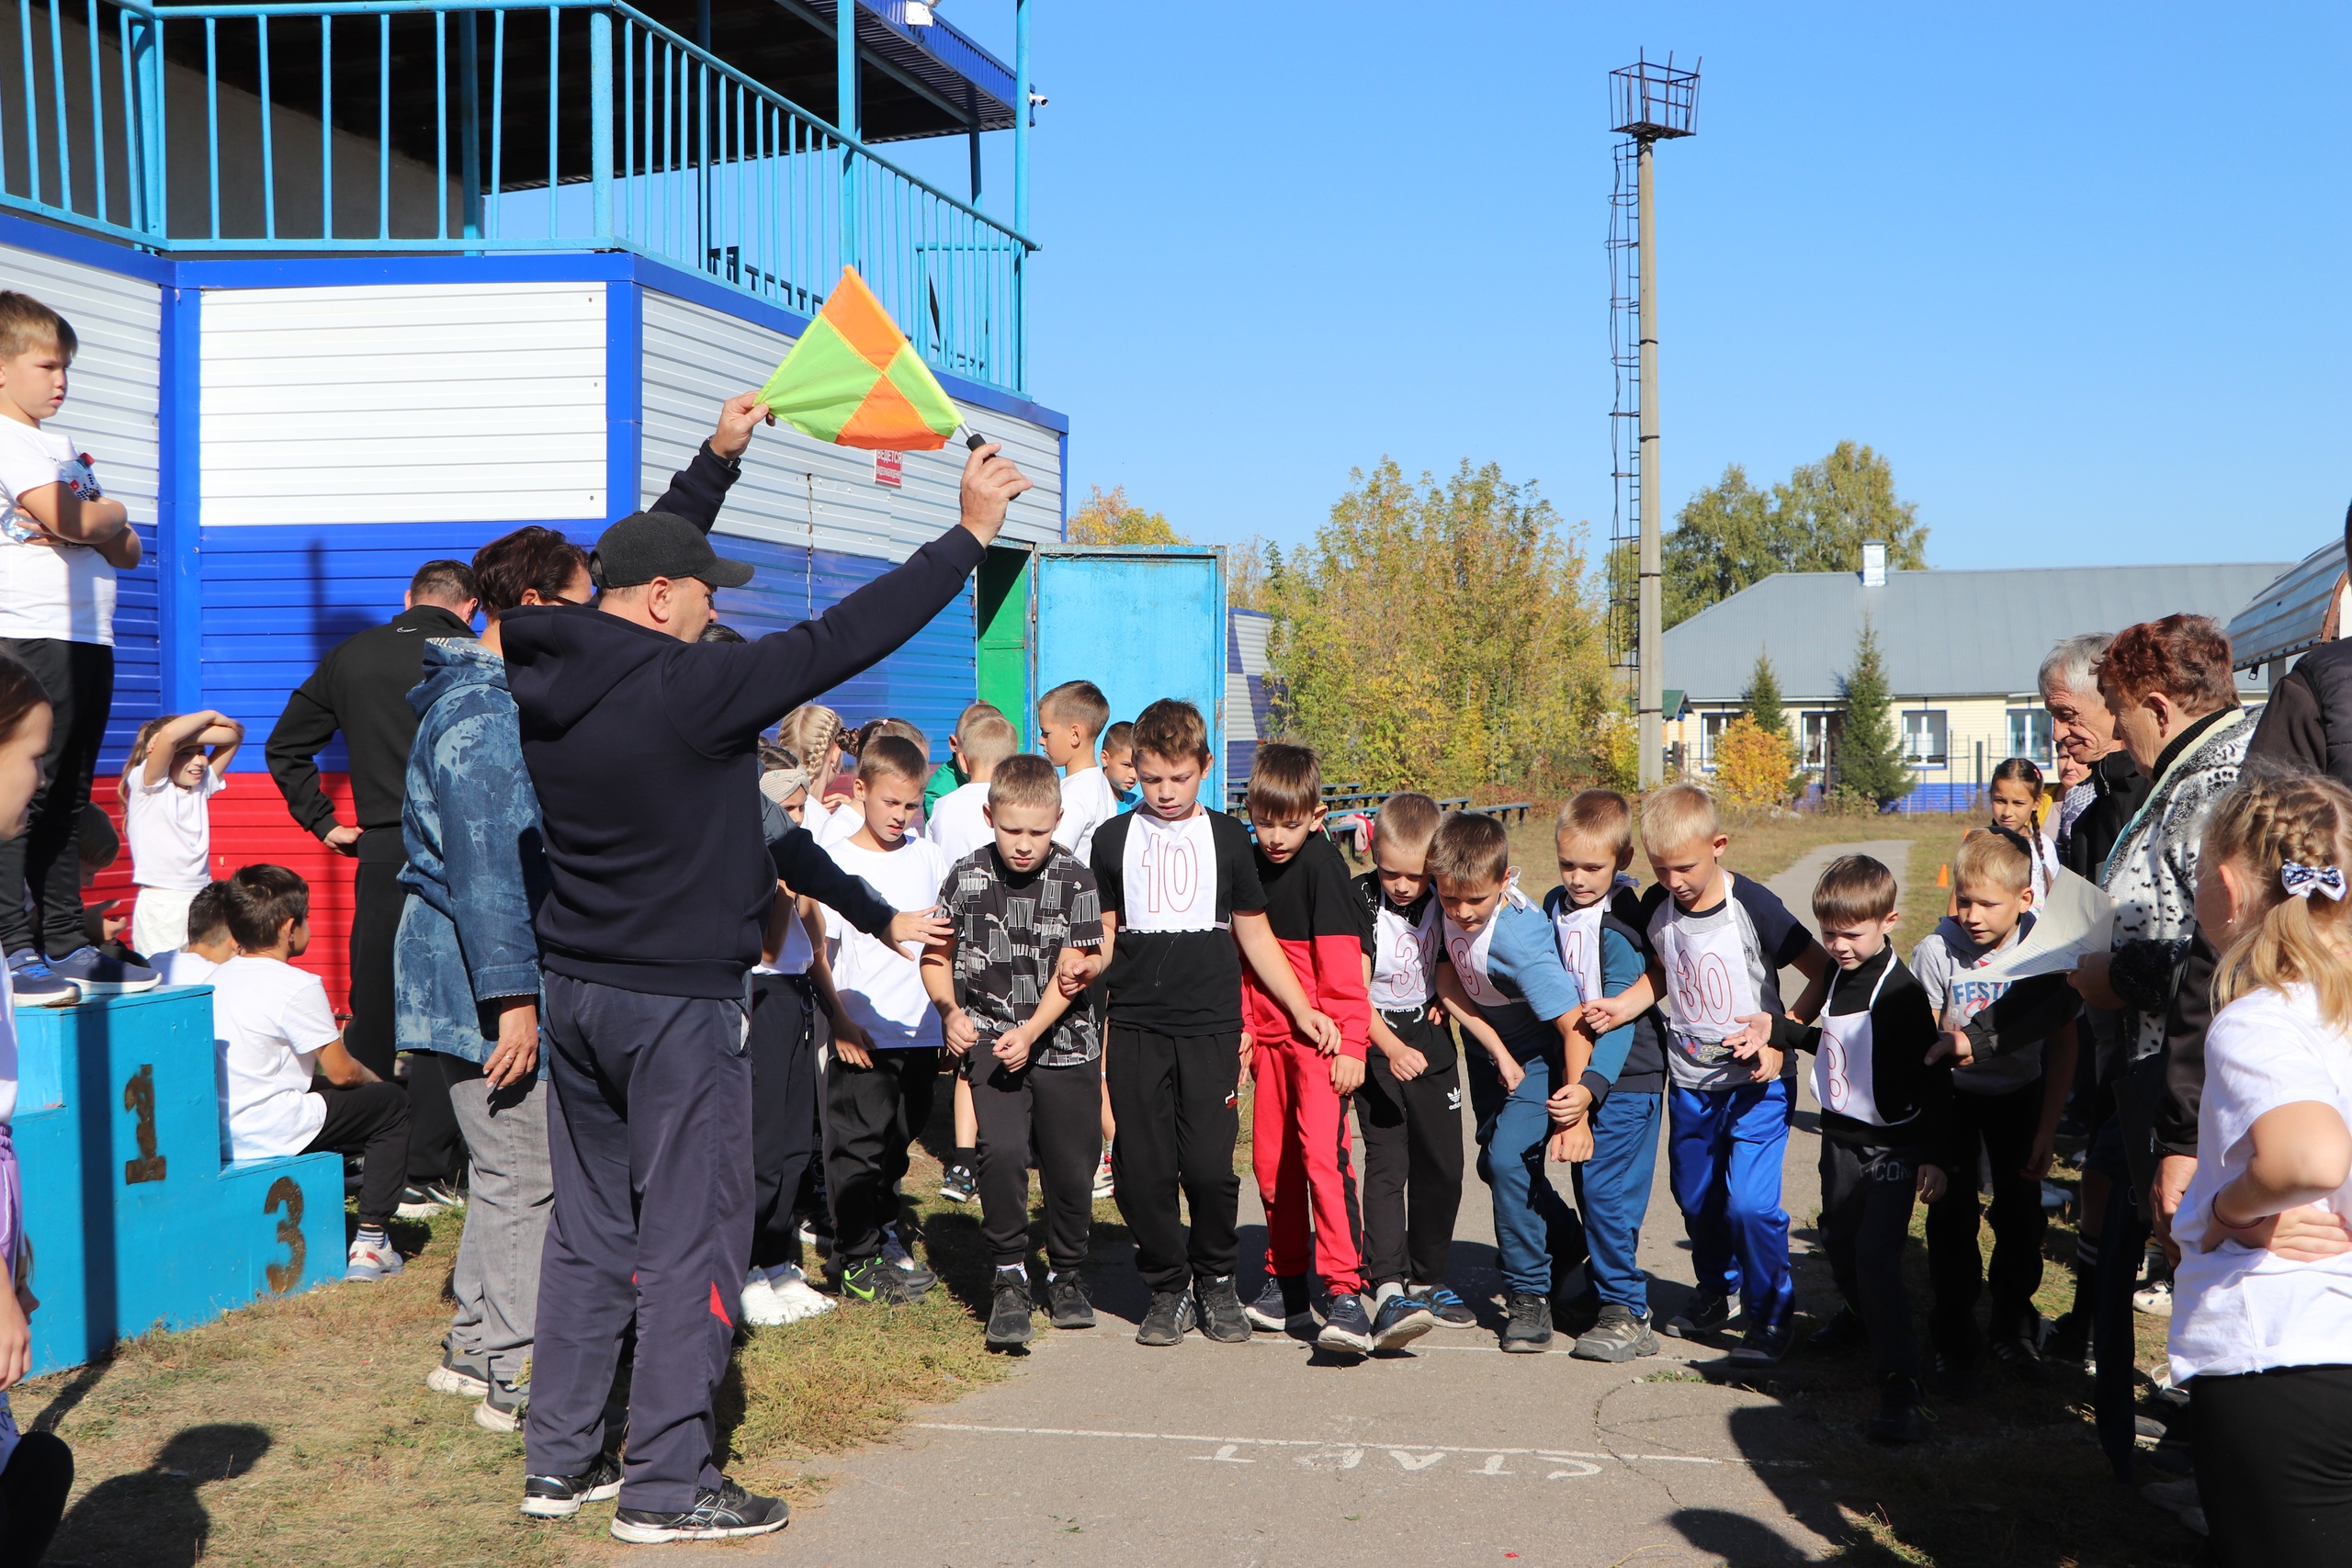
1843 1071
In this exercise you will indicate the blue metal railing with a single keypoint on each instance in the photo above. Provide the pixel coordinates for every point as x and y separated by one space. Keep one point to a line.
476 126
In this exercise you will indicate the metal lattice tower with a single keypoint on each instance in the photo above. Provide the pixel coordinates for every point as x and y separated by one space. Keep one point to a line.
1652 103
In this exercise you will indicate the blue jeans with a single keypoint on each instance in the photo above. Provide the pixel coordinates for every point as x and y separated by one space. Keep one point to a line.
1723 1150
1537 1237
1613 1193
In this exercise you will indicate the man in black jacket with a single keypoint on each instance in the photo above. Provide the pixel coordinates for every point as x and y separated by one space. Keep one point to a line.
361 689
641 743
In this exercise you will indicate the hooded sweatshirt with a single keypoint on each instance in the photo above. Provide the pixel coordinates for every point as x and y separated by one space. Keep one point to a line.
643 751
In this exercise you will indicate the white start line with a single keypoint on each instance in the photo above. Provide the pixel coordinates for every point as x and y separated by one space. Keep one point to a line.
1552 1464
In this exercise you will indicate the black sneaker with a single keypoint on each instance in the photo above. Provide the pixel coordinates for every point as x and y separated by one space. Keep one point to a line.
422 1201
1762 1347
1950 1377
1450 1308
560 1496
1618 1333
1899 1418
1166 1319
875 1280
2016 1352
1346 1327
1844 1332
1704 1312
1281 1305
1530 1329
1066 1300
1009 1324
1216 1307
1401 1319
959 1184
2068 1342
720 1513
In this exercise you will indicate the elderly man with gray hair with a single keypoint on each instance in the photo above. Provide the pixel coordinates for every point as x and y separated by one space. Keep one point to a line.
2082 727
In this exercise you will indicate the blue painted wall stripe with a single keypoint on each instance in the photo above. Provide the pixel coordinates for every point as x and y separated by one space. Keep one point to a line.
179 500
624 396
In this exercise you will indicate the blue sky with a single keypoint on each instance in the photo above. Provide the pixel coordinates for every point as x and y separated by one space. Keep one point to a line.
2079 271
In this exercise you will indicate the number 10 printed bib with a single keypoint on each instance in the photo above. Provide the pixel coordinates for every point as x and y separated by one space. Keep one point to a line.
1170 874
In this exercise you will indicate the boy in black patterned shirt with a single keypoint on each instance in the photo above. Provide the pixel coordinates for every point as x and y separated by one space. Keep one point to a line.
1033 1061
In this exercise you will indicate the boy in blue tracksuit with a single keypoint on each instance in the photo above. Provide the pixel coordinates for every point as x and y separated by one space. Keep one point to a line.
1596 918
1509 988
1718 944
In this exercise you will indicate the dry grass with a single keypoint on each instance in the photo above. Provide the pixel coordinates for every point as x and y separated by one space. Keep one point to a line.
300 1430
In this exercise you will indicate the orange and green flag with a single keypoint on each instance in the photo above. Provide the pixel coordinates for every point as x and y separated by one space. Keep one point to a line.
853 380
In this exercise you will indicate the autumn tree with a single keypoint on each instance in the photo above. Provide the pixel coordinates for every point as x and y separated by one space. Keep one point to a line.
1442 634
1732 534
1753 764
1110 518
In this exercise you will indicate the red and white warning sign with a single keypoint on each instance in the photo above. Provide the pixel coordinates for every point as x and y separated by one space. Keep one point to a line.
890 469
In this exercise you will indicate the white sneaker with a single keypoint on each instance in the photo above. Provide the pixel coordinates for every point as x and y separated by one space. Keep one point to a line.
794 1296
761 1309
369 1262
2153 1302
1103 1188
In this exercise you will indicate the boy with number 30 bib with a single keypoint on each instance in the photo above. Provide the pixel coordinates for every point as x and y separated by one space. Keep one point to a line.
1720 942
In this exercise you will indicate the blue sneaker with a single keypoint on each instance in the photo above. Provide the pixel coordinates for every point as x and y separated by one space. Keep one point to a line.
36 985
1345 1326
99 975
1451 1309
1401 1320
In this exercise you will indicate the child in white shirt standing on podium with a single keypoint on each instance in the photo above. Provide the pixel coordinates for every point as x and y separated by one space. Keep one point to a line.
167 788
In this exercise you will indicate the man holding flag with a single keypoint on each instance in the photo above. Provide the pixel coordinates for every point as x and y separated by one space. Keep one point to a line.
641 745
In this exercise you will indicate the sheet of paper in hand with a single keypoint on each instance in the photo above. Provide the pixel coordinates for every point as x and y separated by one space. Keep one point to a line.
2075 920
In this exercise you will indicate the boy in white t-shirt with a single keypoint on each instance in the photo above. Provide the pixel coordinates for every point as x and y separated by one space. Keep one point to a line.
276 1037
209 942
1070 718
886 1035
61 541
167 787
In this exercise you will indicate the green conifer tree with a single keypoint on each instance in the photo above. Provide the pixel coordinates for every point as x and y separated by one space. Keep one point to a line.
1762 701
1869 761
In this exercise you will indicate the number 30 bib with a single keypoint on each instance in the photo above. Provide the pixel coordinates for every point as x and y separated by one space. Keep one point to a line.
1708 988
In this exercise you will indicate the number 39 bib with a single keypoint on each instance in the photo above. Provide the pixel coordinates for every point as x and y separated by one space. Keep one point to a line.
1170 874
1708 988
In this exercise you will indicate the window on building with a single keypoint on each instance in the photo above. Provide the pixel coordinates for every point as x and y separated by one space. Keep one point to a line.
1711 733
1817 733
2029 735
1923 738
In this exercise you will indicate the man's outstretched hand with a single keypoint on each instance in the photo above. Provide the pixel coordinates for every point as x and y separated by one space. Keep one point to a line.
738 417
989 484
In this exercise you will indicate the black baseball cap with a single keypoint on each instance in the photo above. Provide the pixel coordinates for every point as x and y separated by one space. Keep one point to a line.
647 545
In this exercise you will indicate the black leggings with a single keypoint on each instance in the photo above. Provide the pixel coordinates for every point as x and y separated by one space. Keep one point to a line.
368 1119
2274 1465
32 1497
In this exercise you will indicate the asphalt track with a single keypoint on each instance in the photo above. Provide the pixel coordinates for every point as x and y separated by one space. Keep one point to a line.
1101 1452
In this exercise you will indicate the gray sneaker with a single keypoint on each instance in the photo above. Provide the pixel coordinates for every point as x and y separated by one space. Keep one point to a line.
460 1375
1216 1307
1617 1334
502 1408
1166 1319
99 975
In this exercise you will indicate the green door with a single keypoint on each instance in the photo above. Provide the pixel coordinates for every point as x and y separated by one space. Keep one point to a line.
1002 664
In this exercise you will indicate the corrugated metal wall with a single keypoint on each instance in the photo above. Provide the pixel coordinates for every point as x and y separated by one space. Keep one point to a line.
926 683
110 413
1246 702
404 403
802 492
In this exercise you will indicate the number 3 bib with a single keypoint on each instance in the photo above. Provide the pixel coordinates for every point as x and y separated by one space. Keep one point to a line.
1842 1067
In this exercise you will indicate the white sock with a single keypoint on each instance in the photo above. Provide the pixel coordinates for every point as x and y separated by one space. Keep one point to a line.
1391 1289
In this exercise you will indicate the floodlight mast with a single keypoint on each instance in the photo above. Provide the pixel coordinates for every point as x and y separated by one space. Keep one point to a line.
1654 103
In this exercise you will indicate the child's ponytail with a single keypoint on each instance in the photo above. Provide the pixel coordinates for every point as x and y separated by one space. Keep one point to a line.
2293 835
140 745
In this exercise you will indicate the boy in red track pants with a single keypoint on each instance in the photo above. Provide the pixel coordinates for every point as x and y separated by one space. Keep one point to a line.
1300 1123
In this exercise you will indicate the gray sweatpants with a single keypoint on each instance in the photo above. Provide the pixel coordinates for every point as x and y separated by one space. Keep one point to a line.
496 1280
650 1136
